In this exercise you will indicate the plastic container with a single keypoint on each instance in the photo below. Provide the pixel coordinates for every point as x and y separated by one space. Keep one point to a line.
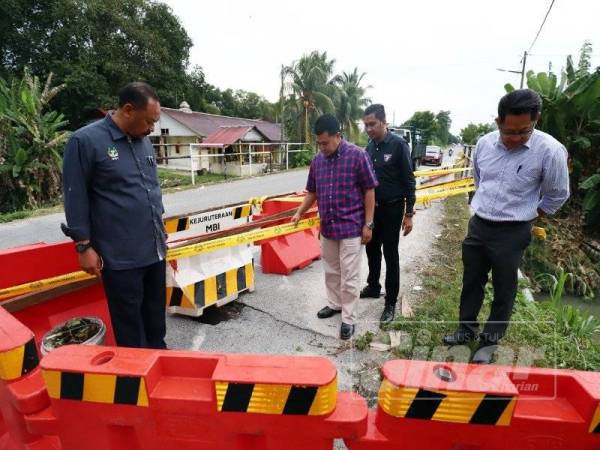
96 339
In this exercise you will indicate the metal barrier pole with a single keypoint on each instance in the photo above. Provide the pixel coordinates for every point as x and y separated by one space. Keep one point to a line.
192 170
249 158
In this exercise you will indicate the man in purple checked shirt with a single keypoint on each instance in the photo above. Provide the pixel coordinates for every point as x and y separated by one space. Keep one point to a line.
343 182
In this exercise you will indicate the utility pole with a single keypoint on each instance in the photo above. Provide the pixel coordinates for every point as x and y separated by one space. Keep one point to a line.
523 69
549 68
520 72
281 95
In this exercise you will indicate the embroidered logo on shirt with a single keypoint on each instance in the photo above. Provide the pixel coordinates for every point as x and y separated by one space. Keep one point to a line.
113 153
387 157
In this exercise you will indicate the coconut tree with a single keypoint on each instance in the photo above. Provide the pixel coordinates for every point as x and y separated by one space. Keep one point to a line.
350 101
311 88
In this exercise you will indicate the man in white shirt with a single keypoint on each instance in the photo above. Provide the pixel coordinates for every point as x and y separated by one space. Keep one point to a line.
519 173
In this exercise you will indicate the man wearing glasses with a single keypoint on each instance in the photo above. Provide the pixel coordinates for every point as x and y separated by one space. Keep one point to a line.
520 173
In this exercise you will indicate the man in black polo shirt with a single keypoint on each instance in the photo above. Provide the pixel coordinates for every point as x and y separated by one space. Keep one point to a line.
113 206
396 191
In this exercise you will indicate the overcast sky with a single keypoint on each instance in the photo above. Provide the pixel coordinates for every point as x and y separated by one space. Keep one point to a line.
418 55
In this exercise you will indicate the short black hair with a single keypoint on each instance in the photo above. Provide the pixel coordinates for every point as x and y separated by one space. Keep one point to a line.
327 124
377 109
520 101
137 93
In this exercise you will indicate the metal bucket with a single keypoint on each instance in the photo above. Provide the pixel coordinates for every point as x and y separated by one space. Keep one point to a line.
96 339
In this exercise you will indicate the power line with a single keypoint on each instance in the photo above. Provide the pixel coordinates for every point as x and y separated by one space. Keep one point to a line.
541 26
546 55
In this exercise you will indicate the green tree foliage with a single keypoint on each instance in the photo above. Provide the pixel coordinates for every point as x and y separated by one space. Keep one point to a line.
95 47
311 88
442 128
434 128
350 101
424 121
31 139
571 113
585 56
473 131
591 201
242 103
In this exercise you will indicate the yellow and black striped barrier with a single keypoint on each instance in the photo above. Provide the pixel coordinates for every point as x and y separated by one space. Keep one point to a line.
18 361
446 406
96 388
285 399
211 290
183 223
242 211
176 224
595 425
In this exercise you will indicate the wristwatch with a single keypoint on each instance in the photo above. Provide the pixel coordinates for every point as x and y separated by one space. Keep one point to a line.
370 225
80 248
409 214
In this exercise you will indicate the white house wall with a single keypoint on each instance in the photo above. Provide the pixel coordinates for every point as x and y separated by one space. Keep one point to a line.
252 136
175 128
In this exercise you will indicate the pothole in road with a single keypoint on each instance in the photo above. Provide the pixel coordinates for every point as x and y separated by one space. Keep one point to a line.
214 315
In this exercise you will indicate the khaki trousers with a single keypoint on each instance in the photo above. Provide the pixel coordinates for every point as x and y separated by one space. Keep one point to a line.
341 261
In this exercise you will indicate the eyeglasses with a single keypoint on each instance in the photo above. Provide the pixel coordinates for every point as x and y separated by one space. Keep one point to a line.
524 133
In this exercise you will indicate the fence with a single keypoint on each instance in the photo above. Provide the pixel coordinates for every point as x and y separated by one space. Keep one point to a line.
251 159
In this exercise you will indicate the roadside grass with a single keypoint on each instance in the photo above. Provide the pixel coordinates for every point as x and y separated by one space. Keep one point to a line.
26 213
541 334
173 181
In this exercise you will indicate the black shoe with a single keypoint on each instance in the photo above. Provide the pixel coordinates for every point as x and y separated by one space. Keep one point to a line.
459 338
327 312
484 353
346 331
370 292
389 312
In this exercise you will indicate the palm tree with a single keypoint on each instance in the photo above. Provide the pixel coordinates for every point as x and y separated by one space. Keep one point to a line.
311 88
350 101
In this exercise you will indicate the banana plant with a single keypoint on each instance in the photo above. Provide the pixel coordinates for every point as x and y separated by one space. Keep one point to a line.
571 113
31 139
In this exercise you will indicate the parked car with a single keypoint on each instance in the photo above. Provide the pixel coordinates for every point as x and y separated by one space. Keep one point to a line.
433 155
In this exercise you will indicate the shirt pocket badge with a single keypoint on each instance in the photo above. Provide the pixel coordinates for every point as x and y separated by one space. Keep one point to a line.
113 153
387 157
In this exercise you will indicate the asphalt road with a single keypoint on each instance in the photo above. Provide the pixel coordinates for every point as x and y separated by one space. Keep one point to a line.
47 228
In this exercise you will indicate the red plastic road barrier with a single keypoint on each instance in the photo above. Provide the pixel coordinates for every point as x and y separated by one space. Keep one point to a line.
122 398
286 253
35 262
22 390
428 405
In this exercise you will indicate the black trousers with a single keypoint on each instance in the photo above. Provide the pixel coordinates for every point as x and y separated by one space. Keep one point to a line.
136 302
386 234
499 247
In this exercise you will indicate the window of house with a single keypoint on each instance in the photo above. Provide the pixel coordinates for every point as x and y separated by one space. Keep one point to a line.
177 149
164 131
